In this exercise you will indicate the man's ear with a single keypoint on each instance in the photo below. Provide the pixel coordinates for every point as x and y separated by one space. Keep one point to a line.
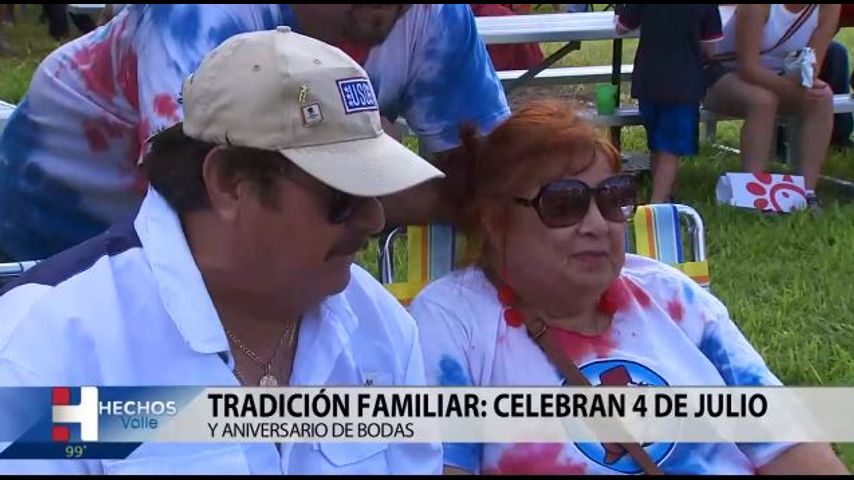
222 186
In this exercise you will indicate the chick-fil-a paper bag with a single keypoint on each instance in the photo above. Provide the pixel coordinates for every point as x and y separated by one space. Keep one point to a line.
765 191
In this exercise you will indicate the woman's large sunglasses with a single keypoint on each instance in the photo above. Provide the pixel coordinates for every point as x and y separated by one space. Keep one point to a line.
564 203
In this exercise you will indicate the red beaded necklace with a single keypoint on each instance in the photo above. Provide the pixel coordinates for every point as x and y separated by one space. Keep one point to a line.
513 316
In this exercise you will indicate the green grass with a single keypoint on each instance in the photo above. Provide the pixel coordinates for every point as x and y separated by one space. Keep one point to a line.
786 279
31 43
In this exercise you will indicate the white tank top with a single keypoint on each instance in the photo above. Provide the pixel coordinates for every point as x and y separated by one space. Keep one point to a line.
779 21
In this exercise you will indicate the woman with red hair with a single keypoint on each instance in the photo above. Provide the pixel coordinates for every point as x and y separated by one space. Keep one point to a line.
552 298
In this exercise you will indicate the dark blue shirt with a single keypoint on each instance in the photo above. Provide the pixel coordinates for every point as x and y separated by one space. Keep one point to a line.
669 59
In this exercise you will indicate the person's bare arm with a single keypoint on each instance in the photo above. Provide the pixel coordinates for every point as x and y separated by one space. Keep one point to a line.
828 22
436 201
750 24
443 94
420 205
806 459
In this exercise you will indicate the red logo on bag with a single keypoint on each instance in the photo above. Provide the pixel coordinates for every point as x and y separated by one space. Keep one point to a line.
777 196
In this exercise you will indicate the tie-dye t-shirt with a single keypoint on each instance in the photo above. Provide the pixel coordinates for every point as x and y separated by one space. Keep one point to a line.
69 154
667 331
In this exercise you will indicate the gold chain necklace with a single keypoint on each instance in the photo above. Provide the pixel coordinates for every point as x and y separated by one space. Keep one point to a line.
269 379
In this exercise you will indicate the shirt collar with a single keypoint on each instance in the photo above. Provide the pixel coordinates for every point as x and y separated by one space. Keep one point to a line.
325 331
179 281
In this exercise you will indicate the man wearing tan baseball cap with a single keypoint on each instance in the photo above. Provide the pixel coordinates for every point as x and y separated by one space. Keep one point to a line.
238 267
292 94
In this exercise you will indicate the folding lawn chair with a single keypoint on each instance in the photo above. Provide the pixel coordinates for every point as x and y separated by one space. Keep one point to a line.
664 232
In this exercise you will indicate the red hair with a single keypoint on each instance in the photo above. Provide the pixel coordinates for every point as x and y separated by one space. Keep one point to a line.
540 141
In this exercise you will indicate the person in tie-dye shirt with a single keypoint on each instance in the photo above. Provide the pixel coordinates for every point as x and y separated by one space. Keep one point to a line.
548 250
69 154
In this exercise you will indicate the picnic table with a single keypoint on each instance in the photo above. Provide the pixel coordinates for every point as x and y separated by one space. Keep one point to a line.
568 28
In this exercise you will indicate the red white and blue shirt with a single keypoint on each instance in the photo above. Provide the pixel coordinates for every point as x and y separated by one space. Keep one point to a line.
69 153
667 331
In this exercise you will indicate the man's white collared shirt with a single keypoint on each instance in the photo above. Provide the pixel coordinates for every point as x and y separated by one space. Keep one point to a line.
130 308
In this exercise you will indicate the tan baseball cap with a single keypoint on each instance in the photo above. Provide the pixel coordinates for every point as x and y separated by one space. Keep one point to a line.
282 91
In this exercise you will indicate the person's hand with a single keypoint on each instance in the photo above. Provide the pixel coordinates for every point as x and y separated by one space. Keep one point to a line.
796 90
819 89
818 84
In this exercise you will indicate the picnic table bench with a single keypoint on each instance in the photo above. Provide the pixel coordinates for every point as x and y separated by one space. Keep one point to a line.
568 28
630 116
568 75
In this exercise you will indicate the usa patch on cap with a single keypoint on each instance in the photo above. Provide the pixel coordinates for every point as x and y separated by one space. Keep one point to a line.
357 95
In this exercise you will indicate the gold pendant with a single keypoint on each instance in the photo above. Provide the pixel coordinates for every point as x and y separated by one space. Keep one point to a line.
269 380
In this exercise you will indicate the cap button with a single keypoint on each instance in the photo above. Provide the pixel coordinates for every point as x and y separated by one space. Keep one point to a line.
284 29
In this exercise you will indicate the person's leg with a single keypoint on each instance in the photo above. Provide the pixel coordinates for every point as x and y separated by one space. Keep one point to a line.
733 96
816 121
649 115
835 73
677 136
665 165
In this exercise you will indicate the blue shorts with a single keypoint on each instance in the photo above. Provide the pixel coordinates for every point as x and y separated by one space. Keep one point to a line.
671 127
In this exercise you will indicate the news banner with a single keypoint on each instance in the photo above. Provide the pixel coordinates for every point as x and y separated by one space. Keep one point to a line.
111 422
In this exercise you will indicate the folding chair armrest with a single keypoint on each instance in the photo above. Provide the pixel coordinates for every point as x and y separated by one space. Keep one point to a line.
13 270
387 255
657 230
698 233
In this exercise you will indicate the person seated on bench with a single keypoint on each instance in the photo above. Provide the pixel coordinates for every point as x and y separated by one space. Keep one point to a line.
746 81
668 80
548 212
70 152
835 72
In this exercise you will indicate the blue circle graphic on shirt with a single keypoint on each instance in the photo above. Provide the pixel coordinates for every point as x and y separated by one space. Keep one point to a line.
620 373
